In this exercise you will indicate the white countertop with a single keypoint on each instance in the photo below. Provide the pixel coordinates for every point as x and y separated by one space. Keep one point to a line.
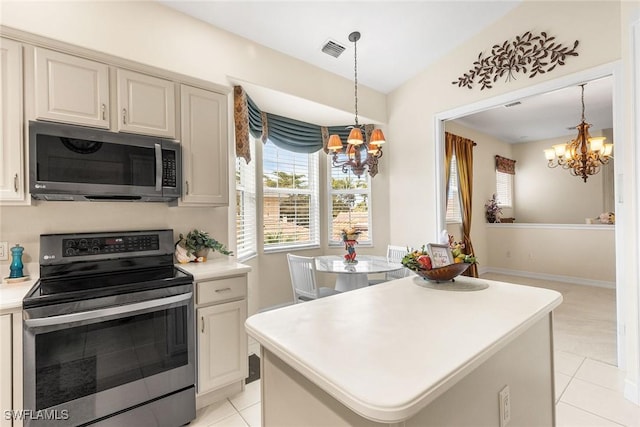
388 350
215 268
11 295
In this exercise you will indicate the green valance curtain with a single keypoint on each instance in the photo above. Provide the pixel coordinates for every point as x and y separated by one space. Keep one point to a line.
288 134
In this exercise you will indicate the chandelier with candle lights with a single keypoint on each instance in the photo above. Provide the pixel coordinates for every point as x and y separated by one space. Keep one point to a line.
584 155
360 154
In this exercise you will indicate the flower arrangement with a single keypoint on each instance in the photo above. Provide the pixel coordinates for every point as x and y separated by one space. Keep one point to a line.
492 210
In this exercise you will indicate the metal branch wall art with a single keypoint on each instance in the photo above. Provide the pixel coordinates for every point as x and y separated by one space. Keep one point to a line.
526 54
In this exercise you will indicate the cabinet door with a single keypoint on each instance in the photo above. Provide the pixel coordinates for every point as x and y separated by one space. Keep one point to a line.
70 89
11 141
146 104
204 147
222 345
6 369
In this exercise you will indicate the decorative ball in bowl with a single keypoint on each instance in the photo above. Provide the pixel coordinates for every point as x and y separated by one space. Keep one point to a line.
443 274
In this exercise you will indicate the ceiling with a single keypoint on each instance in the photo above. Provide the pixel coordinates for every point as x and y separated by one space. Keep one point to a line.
550 115
399 39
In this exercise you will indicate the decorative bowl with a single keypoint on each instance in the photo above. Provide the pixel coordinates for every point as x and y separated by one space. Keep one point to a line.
443 274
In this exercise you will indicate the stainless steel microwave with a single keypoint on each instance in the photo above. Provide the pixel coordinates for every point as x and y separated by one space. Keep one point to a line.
68 162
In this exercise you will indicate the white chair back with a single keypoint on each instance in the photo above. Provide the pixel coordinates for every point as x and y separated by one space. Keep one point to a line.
395 254
303 277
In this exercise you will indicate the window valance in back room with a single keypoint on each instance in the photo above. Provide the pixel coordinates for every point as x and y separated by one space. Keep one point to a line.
505 165
286 133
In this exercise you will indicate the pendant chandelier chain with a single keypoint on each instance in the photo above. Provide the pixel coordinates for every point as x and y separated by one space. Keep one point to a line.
364 143
355 73
582 86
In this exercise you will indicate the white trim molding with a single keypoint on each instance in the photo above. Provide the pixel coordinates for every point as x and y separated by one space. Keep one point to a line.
551 277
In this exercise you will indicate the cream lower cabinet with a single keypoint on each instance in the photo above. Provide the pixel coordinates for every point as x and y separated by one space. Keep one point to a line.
12 175
6 368
10 369
71 89
221 310
205 149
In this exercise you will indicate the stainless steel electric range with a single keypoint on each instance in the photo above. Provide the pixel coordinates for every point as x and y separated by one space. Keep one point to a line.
109 332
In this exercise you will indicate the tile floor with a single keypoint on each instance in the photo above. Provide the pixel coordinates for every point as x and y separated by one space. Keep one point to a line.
589 388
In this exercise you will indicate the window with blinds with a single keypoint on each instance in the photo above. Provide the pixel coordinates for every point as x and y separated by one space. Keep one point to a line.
246 232
349 203
454 214
504 189
290 199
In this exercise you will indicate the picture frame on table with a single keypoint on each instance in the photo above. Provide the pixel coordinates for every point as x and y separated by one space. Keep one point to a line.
440 255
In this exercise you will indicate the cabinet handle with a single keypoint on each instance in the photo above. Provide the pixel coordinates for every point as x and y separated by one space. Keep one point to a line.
202 319
15 183
104 112
124 116
187 184
223 290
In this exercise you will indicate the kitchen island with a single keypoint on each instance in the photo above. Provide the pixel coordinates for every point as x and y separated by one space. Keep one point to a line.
401 352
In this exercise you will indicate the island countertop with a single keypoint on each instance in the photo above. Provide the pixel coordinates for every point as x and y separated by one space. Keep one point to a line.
388 350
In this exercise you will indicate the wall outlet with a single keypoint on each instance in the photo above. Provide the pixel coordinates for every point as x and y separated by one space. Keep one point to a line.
505 406
4 251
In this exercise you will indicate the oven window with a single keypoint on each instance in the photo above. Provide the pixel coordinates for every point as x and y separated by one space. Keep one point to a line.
83 360
63 159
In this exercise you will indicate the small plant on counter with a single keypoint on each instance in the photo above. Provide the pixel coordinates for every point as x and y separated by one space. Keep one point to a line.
196 245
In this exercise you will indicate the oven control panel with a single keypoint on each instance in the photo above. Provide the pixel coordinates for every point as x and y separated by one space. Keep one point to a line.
71 248
109 245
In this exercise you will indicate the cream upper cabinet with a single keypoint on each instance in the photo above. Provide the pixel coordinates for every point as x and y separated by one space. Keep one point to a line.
146 104
12 182
204 147
70 89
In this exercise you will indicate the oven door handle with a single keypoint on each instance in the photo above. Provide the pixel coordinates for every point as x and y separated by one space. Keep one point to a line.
106 312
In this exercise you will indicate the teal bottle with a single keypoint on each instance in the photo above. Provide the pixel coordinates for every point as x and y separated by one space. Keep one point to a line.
16 262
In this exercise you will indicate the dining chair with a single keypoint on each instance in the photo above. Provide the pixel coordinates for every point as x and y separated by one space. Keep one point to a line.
303 279
394 254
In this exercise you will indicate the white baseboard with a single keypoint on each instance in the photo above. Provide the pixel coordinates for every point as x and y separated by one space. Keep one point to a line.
631 391
545 276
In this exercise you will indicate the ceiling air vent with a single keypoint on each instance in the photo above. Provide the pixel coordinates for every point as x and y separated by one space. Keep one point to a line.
332 48
513 104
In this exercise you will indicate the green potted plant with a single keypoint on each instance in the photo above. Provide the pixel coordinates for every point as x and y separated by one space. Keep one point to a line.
197 244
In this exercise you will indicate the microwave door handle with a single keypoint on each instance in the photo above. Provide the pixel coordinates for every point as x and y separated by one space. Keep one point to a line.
158 149
106 312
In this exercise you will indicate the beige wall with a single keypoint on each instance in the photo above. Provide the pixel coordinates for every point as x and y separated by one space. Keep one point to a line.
149 33
431 92
554 196
583 255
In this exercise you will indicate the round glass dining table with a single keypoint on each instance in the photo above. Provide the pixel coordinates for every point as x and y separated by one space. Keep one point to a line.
354 276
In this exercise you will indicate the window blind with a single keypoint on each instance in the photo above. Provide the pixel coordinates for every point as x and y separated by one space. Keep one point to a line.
453 197
504 189
290 198
246 232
